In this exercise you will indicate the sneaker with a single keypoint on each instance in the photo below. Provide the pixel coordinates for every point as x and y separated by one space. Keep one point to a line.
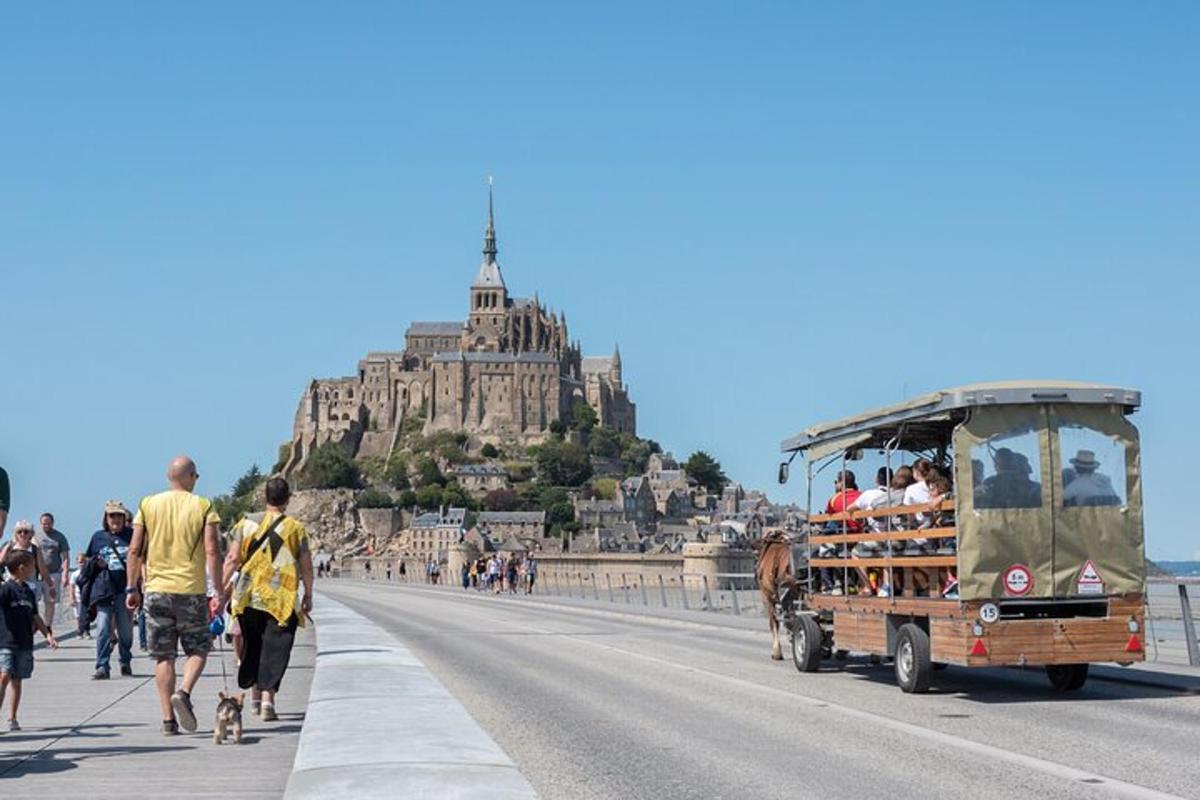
952 594
101 674
169 727
181 704
836 591
884 591
256 707
13 725
126 671
268 712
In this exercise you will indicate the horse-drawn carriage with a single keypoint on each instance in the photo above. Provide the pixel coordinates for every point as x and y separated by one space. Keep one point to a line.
1043 533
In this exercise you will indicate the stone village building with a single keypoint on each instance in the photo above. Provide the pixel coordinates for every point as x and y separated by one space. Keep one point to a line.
502 376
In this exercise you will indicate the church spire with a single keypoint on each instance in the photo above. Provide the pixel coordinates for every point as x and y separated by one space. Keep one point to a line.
489 236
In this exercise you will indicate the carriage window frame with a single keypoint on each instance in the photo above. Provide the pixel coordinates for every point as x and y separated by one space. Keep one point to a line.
1111 463
1027 454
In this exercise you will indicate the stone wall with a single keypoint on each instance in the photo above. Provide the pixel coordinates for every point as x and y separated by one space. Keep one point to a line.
698 562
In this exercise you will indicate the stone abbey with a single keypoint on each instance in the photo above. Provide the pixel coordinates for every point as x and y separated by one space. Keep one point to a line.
502 377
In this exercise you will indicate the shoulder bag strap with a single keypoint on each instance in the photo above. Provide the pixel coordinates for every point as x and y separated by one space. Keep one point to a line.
264 537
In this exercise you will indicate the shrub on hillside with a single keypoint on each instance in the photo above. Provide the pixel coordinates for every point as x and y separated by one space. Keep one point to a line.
329 468
562 463
373 498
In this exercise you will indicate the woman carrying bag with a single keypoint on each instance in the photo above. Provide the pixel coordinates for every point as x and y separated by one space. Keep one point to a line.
272 558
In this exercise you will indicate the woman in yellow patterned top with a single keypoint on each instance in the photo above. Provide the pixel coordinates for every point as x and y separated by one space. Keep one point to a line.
272 558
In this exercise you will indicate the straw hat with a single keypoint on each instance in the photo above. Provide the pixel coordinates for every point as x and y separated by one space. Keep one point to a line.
1085 459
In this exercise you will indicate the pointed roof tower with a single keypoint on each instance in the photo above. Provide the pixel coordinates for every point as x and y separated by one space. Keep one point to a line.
489 276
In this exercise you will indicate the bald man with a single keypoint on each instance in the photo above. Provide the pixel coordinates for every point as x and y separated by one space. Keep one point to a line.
175 539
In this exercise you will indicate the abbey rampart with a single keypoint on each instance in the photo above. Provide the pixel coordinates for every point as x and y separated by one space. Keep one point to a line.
503 377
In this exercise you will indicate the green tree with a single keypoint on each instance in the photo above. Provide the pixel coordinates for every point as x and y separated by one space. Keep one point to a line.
706 471
558 427
429 497
428 473
604 488
330 468
605 442
489 451
455 495
373 498
248 482
635 454
583 416
562 463
408 499
501 500
395 472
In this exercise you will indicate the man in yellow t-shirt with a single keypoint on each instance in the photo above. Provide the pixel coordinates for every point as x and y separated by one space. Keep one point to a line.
175 537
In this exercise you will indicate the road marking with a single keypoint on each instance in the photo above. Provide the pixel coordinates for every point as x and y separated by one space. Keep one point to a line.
1051 768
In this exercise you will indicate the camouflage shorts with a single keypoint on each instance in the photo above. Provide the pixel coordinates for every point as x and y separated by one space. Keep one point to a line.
177 619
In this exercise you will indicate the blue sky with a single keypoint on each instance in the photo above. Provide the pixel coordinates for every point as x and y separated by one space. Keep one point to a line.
784 212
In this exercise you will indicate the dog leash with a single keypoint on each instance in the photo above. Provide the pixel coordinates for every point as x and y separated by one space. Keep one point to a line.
217 629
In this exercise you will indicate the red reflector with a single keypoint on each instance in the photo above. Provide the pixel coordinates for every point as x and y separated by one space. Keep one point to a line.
978 649
1134 645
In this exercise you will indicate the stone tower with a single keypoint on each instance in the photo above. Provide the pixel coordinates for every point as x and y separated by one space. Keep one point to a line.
489 296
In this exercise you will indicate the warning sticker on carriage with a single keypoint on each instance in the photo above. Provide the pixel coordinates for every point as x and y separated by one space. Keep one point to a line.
1018 580
1089 581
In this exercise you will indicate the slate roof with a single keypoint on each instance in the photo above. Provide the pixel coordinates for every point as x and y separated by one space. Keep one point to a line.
488 276
479 469
502 517
434 329
597 364
496 358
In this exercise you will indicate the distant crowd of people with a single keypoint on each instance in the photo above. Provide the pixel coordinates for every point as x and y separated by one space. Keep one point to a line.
513 574
168 569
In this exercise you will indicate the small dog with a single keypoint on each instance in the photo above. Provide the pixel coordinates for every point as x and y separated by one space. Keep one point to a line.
229 715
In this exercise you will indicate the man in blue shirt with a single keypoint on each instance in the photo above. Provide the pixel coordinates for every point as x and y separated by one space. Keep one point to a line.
110 548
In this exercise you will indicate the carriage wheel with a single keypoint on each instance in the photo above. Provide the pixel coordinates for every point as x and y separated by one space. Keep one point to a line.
1067 677
806 643
913 666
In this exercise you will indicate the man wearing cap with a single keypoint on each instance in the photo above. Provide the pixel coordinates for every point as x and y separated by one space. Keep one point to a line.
109 548
175 537
56 551
1089 487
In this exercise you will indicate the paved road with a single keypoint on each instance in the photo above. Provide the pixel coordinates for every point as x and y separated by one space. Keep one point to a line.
85 738
592 704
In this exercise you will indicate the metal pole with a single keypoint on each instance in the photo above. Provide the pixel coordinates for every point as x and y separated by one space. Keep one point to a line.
645 598
595 587
737 609
683 592
1189 626
706 599
625 588
608 582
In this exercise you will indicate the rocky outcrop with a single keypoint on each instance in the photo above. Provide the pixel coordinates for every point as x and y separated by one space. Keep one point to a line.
337 525
331 517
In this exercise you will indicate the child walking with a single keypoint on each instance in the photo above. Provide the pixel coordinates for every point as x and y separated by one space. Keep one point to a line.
18 613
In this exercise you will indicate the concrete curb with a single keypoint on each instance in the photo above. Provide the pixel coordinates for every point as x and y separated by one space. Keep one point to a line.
379 725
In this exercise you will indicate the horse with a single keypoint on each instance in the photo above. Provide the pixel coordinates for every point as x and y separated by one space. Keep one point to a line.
774 573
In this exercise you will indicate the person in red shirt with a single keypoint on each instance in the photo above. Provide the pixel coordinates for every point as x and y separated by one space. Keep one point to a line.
845 493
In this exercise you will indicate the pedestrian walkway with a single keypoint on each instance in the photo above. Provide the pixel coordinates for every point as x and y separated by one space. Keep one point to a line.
101 738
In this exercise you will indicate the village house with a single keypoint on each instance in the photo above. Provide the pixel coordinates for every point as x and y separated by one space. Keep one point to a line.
479 479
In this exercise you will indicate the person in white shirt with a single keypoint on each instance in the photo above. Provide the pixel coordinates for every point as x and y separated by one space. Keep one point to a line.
888 492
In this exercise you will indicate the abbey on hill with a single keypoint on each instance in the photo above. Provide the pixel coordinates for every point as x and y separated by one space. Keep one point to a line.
502 377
